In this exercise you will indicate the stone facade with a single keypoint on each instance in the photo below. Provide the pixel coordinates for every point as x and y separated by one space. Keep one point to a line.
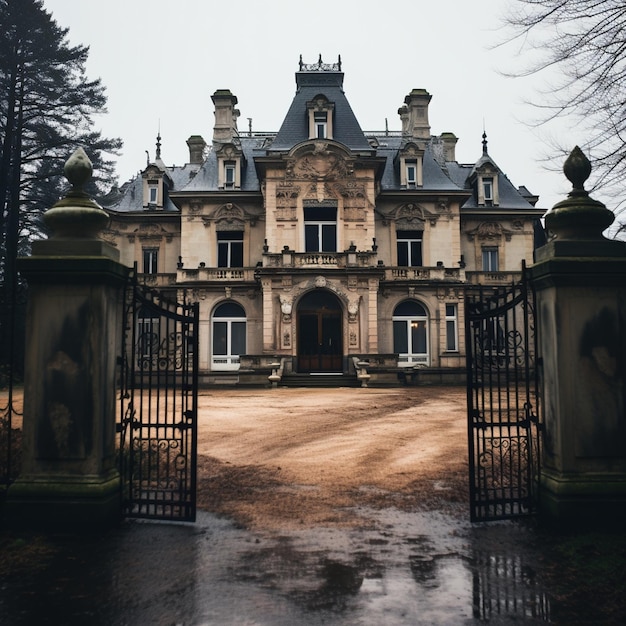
322 242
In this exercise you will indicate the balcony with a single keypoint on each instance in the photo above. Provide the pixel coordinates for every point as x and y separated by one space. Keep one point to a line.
493 278
327 260
425 274
216 274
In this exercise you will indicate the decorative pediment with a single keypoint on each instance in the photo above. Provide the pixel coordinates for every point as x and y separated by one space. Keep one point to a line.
319 160
412 216
230 216
489 231
150 231
229 151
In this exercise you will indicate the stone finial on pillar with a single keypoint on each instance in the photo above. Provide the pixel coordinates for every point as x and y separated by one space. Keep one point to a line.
578 217
76 221
575 225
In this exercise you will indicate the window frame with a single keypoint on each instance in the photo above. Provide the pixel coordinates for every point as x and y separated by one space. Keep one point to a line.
227 360
452 327
411 323
227 248
404 239
325 230
150 260
490 258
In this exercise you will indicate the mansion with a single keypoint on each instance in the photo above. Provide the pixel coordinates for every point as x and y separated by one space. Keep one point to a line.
321 248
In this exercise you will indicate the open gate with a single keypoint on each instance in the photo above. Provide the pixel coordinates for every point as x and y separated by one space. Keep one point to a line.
503 401
158 406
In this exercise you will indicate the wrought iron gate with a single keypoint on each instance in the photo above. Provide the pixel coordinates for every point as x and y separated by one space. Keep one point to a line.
158 406
503 401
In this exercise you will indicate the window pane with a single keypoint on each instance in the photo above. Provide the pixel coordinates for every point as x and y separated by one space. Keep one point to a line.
238 338
329 238
403 253
311 238
220 345
236 254
400 339
229 309
416 253
222 254
410 307
418 337
450 335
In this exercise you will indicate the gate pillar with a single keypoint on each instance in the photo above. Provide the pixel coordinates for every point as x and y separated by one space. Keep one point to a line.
580 283
69 475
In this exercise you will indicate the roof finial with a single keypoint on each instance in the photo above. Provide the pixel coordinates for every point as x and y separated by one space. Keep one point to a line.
339 62
158 144
301 64
484 142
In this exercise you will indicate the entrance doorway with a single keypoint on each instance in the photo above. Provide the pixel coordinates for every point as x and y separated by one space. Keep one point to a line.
320 337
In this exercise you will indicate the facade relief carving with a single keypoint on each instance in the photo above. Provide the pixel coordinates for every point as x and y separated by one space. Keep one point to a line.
489 231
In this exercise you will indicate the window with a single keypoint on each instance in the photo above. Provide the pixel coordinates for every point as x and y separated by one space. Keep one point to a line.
229 174
320 119
451 328
410 333
150 260
490 259
229 336
230 248
488 191
411 173
409 244
320 229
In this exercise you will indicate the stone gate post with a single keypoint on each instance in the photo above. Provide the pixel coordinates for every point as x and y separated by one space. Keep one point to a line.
580 282
69 474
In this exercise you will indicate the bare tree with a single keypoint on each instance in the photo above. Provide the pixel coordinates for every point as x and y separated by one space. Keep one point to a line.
583 44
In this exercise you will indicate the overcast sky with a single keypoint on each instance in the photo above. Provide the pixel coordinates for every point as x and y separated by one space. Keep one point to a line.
161 60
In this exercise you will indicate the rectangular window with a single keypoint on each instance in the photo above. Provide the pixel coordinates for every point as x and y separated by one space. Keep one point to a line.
150 260
490 260
409 243
229 174
411 173
320 229
230 248
451 328
321 124
488 190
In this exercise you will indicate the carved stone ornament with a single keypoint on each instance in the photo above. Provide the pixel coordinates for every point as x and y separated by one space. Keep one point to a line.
353 308
489 231
286 304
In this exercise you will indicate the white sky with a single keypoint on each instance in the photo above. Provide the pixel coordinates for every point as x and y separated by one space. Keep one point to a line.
161 60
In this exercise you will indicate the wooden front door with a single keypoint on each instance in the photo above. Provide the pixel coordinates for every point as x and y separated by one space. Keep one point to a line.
320 345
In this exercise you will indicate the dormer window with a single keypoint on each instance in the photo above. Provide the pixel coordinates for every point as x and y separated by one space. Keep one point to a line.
488 191
320 113
321 126
230 163
410 161
229 174
411 173
153 192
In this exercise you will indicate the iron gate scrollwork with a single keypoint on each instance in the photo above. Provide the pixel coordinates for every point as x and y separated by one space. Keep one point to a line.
158 406
503 400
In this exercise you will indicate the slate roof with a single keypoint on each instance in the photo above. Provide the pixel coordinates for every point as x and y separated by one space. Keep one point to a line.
295 127
438 176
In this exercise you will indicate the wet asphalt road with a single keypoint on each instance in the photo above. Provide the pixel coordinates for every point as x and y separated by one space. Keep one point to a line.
407 568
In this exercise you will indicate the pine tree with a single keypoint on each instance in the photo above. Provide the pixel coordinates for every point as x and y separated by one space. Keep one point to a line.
47 109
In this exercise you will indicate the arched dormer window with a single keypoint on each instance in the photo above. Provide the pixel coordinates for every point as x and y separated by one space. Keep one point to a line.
230 160
411 160
320 115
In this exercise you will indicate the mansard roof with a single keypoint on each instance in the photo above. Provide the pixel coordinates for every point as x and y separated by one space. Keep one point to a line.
313 81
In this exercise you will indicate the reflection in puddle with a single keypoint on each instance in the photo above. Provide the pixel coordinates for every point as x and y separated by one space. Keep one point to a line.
503 585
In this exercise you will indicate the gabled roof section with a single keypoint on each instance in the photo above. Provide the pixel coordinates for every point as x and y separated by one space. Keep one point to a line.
324 79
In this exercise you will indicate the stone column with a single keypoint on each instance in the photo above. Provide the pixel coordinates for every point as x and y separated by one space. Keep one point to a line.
580 282
69 472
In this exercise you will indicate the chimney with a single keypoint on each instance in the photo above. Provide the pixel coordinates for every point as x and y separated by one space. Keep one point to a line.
417 105
225 129
196 149
449 143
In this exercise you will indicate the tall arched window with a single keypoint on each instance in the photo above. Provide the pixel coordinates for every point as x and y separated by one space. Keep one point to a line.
410 333
229 336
